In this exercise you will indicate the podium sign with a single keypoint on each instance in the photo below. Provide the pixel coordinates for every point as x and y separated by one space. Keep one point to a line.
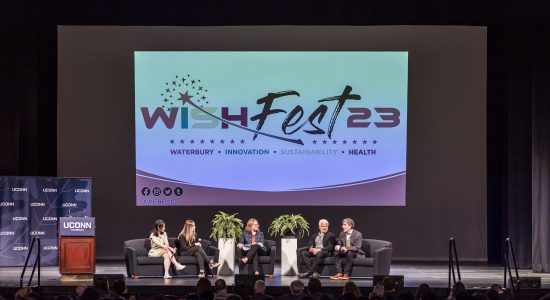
76 226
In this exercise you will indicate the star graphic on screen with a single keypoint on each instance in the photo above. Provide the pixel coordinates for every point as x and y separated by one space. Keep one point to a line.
171 141
202 141
364 142
183 80
314 142
173 83
344 142
176 76
187 75
354 142
203 97
165 100
211 141
192 141
324 142
192 81
182 141
242 141
168 90
222 141
374 142
200 88
185 97
232 141
162 95
334 142
199 80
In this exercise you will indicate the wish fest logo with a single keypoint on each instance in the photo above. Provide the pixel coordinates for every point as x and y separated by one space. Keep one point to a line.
185 105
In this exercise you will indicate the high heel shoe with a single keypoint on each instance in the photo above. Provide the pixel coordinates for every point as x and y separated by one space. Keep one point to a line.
213 264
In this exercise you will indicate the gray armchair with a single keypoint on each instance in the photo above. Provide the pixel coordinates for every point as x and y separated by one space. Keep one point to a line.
267 261
377 260
138 263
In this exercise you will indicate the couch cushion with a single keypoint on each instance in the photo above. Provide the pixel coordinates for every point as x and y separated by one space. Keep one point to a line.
146 260
365 261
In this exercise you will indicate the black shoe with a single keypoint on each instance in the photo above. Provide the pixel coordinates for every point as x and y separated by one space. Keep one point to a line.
316 275
304 275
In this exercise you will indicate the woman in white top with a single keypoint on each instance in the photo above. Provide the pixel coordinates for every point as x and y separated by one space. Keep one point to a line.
160 248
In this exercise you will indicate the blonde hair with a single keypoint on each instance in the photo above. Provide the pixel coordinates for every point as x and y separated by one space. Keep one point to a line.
249 223
188 231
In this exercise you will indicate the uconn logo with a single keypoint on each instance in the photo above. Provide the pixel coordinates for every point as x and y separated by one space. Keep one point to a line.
40 204
49 190
77 225
38 232
20 219
7 203
81 191
11 233
49 219
18 189
20 248
68 205
49 248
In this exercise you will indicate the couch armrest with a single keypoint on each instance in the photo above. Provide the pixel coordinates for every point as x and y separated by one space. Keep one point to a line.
130 256
213 251
272 256
382 261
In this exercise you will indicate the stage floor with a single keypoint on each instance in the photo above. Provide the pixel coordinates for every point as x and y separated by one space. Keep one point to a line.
474 275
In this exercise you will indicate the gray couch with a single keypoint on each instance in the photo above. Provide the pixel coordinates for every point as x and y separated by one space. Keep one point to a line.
377 260
267 261
138 263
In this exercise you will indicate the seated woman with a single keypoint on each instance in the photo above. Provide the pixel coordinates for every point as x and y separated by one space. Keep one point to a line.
190 246
252 244
160 248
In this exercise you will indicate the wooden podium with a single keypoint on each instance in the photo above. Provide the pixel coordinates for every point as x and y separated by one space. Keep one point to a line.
76 247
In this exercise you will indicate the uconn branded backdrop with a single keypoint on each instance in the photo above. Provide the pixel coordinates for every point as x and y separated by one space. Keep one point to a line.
32 206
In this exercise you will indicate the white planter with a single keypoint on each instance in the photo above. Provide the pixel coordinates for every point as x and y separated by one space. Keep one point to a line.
227 256
289 264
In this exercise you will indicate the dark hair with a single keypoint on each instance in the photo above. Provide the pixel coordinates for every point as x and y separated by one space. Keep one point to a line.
423 292
202 285
352 288
314 285
406 295
388 283
102 285
158 224
297 287
242 291
233 297
207 295
90 294
220 285
119 286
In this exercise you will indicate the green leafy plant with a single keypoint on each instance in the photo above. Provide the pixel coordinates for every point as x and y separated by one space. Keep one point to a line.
226 226
284 225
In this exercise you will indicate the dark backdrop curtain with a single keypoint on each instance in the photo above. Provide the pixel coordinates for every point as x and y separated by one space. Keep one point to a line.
517 102
541 150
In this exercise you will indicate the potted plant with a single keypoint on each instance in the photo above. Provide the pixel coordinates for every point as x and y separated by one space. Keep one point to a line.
288 227
226 228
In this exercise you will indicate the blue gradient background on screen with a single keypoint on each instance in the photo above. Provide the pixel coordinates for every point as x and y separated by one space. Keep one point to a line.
238 79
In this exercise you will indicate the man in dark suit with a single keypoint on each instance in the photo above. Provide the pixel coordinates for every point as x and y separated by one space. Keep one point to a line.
320 245
348 247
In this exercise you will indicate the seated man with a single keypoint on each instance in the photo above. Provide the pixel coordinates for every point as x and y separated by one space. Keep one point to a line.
348 247
321 245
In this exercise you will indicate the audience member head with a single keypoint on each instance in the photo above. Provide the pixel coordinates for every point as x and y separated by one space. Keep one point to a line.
424 292
133 296
102 285
497 288
22 293
314 286
351 288
220 285
202 285
259 287
120 287
233 297
458 288
389 284
297 287
90 294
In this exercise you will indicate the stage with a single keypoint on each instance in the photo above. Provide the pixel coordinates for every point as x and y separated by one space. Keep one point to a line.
476 276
